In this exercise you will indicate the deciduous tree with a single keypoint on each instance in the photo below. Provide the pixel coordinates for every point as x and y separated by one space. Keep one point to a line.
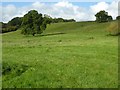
103 16
33 23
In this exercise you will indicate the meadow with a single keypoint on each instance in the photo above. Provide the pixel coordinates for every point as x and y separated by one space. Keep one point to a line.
66 55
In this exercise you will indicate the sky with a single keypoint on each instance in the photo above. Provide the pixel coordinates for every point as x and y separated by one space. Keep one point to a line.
80 11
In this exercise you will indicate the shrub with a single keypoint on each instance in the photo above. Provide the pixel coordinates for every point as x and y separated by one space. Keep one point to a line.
9 29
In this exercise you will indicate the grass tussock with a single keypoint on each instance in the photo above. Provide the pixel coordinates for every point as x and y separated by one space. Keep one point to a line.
113 29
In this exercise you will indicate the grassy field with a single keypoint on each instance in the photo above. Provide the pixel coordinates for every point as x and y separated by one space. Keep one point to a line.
66 55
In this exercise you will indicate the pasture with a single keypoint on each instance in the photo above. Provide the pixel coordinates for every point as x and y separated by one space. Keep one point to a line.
66 55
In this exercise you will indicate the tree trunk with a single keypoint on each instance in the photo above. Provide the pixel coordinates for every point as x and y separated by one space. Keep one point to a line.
33 34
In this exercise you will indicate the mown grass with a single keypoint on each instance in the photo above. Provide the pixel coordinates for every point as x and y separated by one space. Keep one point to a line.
66 55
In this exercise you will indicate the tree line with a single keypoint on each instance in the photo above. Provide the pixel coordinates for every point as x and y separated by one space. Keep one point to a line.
31 23
102 16
35 23
12 25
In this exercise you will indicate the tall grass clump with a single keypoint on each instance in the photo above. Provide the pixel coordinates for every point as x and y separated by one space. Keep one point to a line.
113 29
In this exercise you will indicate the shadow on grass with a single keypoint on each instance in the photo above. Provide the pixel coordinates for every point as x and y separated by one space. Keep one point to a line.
50 34
113 34
41 35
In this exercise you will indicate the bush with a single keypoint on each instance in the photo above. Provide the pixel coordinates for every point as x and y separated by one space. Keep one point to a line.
9 29
118 18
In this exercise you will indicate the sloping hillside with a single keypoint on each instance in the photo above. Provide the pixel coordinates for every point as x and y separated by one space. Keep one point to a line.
66 55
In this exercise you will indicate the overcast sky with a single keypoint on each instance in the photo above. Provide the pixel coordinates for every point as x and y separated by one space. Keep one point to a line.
80 11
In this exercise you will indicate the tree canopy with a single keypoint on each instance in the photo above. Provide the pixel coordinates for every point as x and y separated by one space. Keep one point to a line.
33 23
103 16
12 25
15 21
118 18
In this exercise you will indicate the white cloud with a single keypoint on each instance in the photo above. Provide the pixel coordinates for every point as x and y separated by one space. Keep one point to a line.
62 9
99 6
38 5
8 12
111 8
0 13
64 4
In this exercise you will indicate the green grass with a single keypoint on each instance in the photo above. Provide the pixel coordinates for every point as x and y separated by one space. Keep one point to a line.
83 56
1 62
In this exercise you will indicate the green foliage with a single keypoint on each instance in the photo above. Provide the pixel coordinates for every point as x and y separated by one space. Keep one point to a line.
109 18
8 28
12 25
57 20
32 22
0 27
43 26
47 19
69 20
103 16
50 20
15 22
118 18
